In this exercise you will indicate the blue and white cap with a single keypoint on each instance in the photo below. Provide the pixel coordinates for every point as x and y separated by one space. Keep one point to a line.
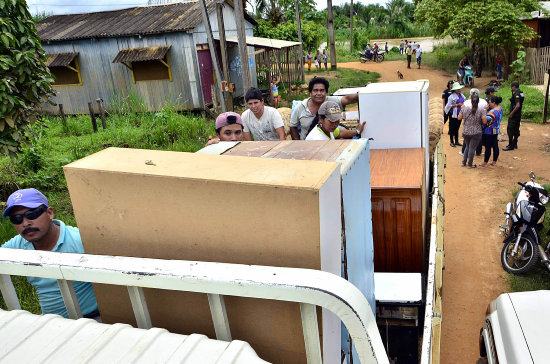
28 197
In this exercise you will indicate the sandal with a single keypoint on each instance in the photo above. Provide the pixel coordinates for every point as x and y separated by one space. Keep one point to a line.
493 163
483 165
473 166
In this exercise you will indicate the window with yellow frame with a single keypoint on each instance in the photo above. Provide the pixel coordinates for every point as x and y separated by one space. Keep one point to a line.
68 75
151 70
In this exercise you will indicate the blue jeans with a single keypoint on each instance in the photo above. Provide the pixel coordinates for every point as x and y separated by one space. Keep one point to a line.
499 71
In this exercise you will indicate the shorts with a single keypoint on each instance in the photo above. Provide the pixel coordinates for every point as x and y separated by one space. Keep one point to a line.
461 71
419 60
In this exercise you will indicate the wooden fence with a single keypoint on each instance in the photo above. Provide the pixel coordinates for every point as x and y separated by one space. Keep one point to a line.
538 61
285 61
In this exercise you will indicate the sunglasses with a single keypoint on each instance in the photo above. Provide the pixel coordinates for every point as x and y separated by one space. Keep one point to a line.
30 215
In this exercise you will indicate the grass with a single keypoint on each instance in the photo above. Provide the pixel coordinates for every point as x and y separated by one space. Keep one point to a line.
54 144
342 77
446 56
539 277
533 103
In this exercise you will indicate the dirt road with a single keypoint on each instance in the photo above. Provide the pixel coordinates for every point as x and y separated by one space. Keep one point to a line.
474 202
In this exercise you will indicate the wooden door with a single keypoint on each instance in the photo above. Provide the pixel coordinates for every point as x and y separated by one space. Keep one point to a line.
206 70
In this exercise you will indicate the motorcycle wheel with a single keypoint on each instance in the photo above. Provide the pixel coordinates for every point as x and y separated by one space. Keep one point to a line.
524 260
379 58
470 82
363 60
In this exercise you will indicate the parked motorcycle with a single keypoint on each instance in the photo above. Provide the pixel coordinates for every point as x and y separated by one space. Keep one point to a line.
524 218
376 57
468 79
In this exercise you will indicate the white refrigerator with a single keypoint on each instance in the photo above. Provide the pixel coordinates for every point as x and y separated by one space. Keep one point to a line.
396 115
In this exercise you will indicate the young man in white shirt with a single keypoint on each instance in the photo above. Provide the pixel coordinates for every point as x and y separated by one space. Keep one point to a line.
330 114
418 56
260 121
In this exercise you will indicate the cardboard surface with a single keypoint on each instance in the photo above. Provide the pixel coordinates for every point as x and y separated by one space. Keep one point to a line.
202 207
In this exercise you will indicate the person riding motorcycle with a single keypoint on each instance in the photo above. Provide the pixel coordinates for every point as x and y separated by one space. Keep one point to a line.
368 51
462 68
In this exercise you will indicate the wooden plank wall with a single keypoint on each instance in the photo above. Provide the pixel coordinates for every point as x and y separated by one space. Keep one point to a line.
538 61
280 61
101 78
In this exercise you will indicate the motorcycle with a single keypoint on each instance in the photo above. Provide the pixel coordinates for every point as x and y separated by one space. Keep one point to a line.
377 57
468 79
524 218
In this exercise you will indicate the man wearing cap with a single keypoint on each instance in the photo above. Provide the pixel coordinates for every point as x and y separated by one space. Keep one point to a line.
330 115
260 121
229 128
33 218
304 113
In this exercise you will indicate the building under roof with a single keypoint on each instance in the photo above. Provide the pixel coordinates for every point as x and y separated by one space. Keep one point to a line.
158 53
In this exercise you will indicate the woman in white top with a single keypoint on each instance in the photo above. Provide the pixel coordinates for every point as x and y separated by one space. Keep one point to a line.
330 115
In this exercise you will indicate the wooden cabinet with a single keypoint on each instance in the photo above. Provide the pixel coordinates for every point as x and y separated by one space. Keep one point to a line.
398 209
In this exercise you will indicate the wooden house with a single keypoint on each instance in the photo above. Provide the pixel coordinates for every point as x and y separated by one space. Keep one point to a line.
539 21
157 53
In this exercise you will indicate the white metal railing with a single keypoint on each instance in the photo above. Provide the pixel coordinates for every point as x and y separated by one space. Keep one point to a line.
307 287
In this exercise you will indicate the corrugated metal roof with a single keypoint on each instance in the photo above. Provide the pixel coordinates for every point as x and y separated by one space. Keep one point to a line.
60 59
143 20
141 54
28 338
264 42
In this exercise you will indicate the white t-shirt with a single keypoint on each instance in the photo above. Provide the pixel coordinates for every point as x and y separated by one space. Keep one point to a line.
482 103
317 134
418 52
263 128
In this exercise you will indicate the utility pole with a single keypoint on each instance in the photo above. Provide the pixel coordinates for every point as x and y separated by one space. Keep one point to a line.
351 26
223 49
243 50
208 28
299 24
331 35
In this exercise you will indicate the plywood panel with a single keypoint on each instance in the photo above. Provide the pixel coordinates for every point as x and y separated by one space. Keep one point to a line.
395 168
172 205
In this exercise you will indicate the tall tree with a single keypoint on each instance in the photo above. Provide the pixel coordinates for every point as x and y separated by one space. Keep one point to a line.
25 80
489 22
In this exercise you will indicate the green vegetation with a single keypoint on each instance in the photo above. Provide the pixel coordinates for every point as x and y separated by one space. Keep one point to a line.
447 56
342 77
25 78
532 105
276 19
538 278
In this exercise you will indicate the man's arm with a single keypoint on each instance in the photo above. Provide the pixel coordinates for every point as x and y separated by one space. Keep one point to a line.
247 136
516 108
350 133
350 99
281 133
294 123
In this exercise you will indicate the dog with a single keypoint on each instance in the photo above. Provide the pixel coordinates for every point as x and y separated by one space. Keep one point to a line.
400 75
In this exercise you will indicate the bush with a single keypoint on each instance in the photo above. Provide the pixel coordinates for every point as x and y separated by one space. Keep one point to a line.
312 33
446 56
532 105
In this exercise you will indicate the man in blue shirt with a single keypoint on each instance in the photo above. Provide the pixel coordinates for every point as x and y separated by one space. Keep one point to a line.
32 217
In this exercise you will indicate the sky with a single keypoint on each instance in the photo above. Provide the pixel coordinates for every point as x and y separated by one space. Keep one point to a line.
86 6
